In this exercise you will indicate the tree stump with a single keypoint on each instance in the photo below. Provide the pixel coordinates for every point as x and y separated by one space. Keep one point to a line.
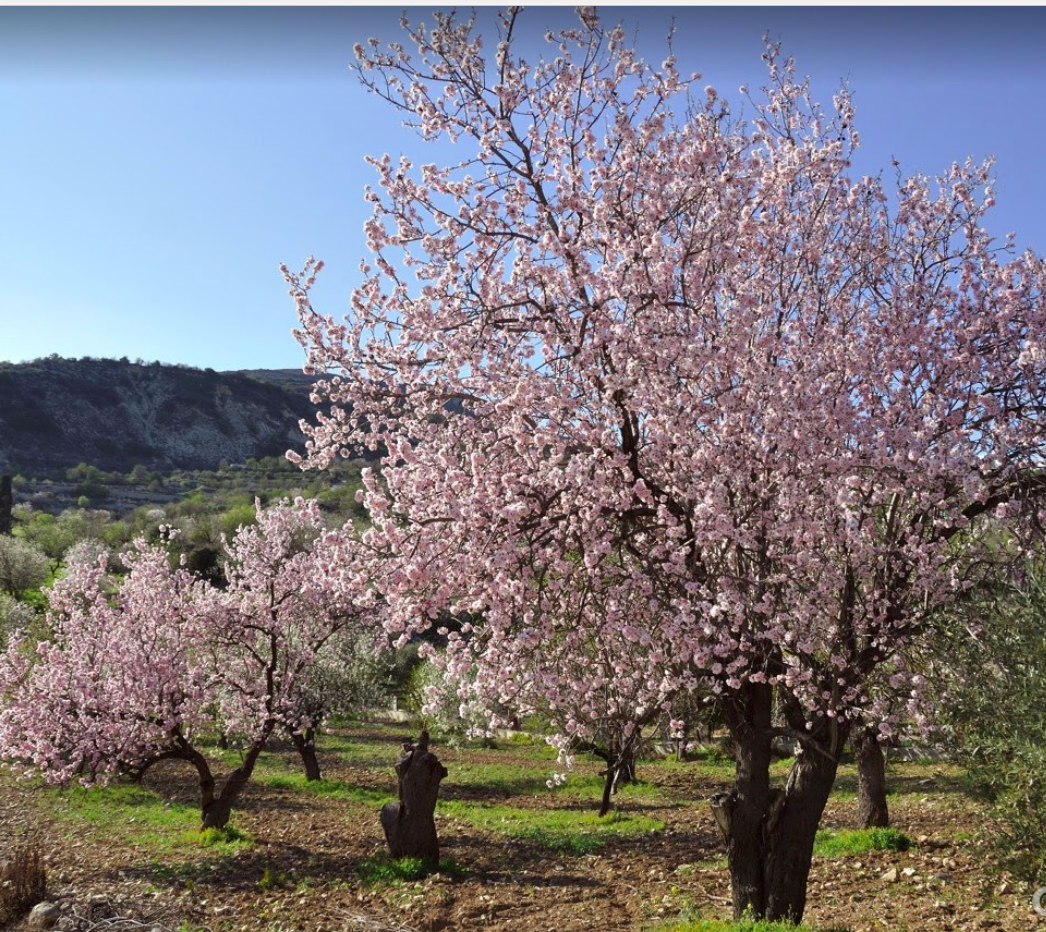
410 825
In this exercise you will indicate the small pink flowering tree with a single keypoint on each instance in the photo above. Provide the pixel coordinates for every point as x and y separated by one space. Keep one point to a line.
693 353
293 588
119 685
589 656
138 670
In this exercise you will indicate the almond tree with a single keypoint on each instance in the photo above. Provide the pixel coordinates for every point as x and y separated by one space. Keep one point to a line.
119 684
598 668
292 588
136 668
691 352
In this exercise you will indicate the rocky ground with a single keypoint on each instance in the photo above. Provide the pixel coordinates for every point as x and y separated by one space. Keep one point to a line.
301 872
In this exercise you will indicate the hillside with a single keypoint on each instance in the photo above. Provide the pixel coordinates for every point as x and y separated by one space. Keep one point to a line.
115 414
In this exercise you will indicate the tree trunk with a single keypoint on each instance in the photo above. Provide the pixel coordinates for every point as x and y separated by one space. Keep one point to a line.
741 815
608 790
306 745
621 766
218 809
680 744
410 825
871 778
770 833
625 772
791 828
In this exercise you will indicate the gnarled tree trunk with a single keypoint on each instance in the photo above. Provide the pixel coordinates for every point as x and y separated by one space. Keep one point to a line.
305 742
216 805
410 824
770 833
218 809
871 778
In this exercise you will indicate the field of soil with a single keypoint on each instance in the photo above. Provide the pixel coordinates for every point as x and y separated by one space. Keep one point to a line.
520 857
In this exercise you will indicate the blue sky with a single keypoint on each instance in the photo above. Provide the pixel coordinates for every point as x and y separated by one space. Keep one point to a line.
156 165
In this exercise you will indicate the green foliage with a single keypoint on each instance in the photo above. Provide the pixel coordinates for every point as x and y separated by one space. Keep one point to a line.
995 683
14 616
1014 779
851 842
55 534
23 566
238 516
572 831
341 498
382 868
421 676
271 880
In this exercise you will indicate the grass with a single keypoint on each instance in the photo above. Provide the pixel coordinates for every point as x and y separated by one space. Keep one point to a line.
137 816
384 869
524 780
333 789
225 840
850 842
571 831
723 925
517 779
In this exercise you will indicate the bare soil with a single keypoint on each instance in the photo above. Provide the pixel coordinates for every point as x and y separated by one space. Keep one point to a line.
310 848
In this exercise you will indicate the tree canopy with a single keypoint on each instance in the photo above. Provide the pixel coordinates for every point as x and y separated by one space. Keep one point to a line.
641 365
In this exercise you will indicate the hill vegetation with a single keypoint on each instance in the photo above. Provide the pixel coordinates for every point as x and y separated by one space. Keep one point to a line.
56 413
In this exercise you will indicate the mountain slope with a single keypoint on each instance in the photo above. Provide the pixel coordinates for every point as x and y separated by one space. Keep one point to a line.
115 414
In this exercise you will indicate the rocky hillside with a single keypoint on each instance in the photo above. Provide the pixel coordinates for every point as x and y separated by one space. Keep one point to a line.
56 413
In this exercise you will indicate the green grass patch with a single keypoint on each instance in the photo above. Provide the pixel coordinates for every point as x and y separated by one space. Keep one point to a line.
517 779
137 816
384 869
744 925
226 840
571 831
850 842
719 863
334 789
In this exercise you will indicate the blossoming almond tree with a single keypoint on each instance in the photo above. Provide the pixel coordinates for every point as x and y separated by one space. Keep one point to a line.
292 589
598 667
136 669
118 685
694 354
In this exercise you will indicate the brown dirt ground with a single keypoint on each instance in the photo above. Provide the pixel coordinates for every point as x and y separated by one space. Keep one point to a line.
514 886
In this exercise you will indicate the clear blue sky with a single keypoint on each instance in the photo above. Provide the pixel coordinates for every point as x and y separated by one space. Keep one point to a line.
156 165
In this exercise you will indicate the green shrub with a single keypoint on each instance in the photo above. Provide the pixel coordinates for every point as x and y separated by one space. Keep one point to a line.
271 880
227 835
994 685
